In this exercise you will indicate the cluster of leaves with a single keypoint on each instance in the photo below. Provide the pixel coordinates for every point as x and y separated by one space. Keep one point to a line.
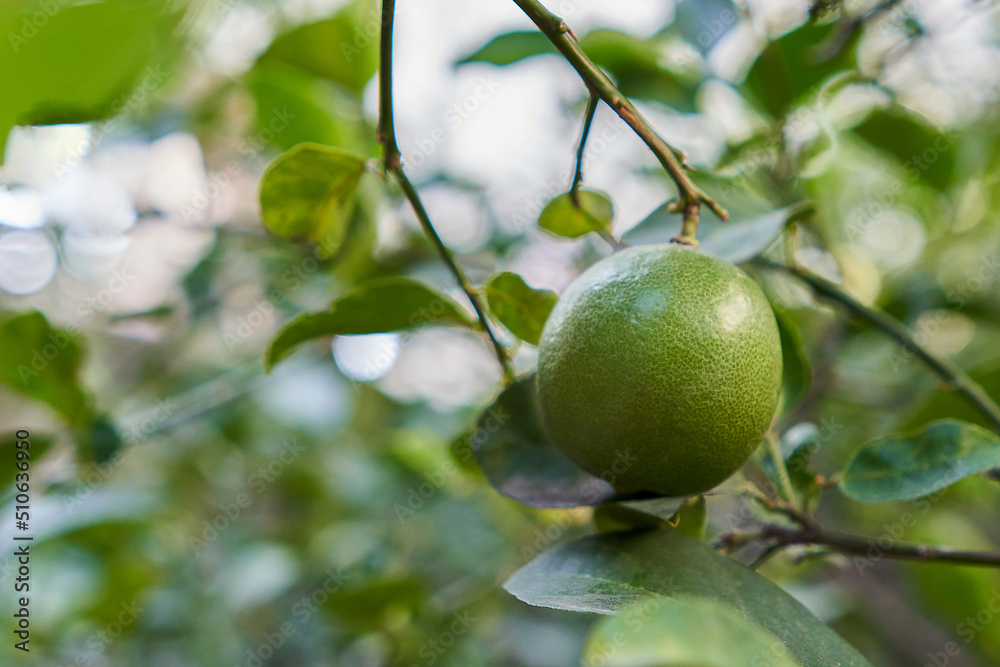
303 196
519 460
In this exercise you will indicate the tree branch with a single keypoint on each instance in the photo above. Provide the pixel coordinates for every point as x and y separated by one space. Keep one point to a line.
689 196
944 367
808 531
386 130
393 165
851 544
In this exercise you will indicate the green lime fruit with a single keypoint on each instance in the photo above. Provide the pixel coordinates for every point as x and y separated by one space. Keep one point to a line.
659 369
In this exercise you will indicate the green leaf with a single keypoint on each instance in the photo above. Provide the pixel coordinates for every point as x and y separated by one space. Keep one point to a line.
796 374
307 194
740 241
522 309
292 107
665 632
603 573
662 507
44 363
511 48
946 403
925 153
919 464
387 304
692 519
616 517
734 241
367 606
563 218
342 49
635 64
522 463
795 65
798 445
83 62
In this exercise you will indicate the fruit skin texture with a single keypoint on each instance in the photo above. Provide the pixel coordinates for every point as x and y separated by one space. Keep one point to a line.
660 369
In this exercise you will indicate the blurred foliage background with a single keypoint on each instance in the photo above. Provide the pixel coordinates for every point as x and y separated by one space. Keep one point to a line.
190 509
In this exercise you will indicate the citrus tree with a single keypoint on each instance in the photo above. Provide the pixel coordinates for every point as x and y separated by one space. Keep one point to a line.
738 437
619 386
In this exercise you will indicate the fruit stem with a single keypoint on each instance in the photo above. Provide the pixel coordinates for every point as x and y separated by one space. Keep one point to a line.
689 226
690 197
392 163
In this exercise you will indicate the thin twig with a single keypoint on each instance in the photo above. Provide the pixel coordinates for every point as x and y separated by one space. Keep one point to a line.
393 165
852 544
943 366
425 222
574 189
689 195
809 531
777 506
588 120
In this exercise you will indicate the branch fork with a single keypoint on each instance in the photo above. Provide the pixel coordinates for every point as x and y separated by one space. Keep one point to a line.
690 196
